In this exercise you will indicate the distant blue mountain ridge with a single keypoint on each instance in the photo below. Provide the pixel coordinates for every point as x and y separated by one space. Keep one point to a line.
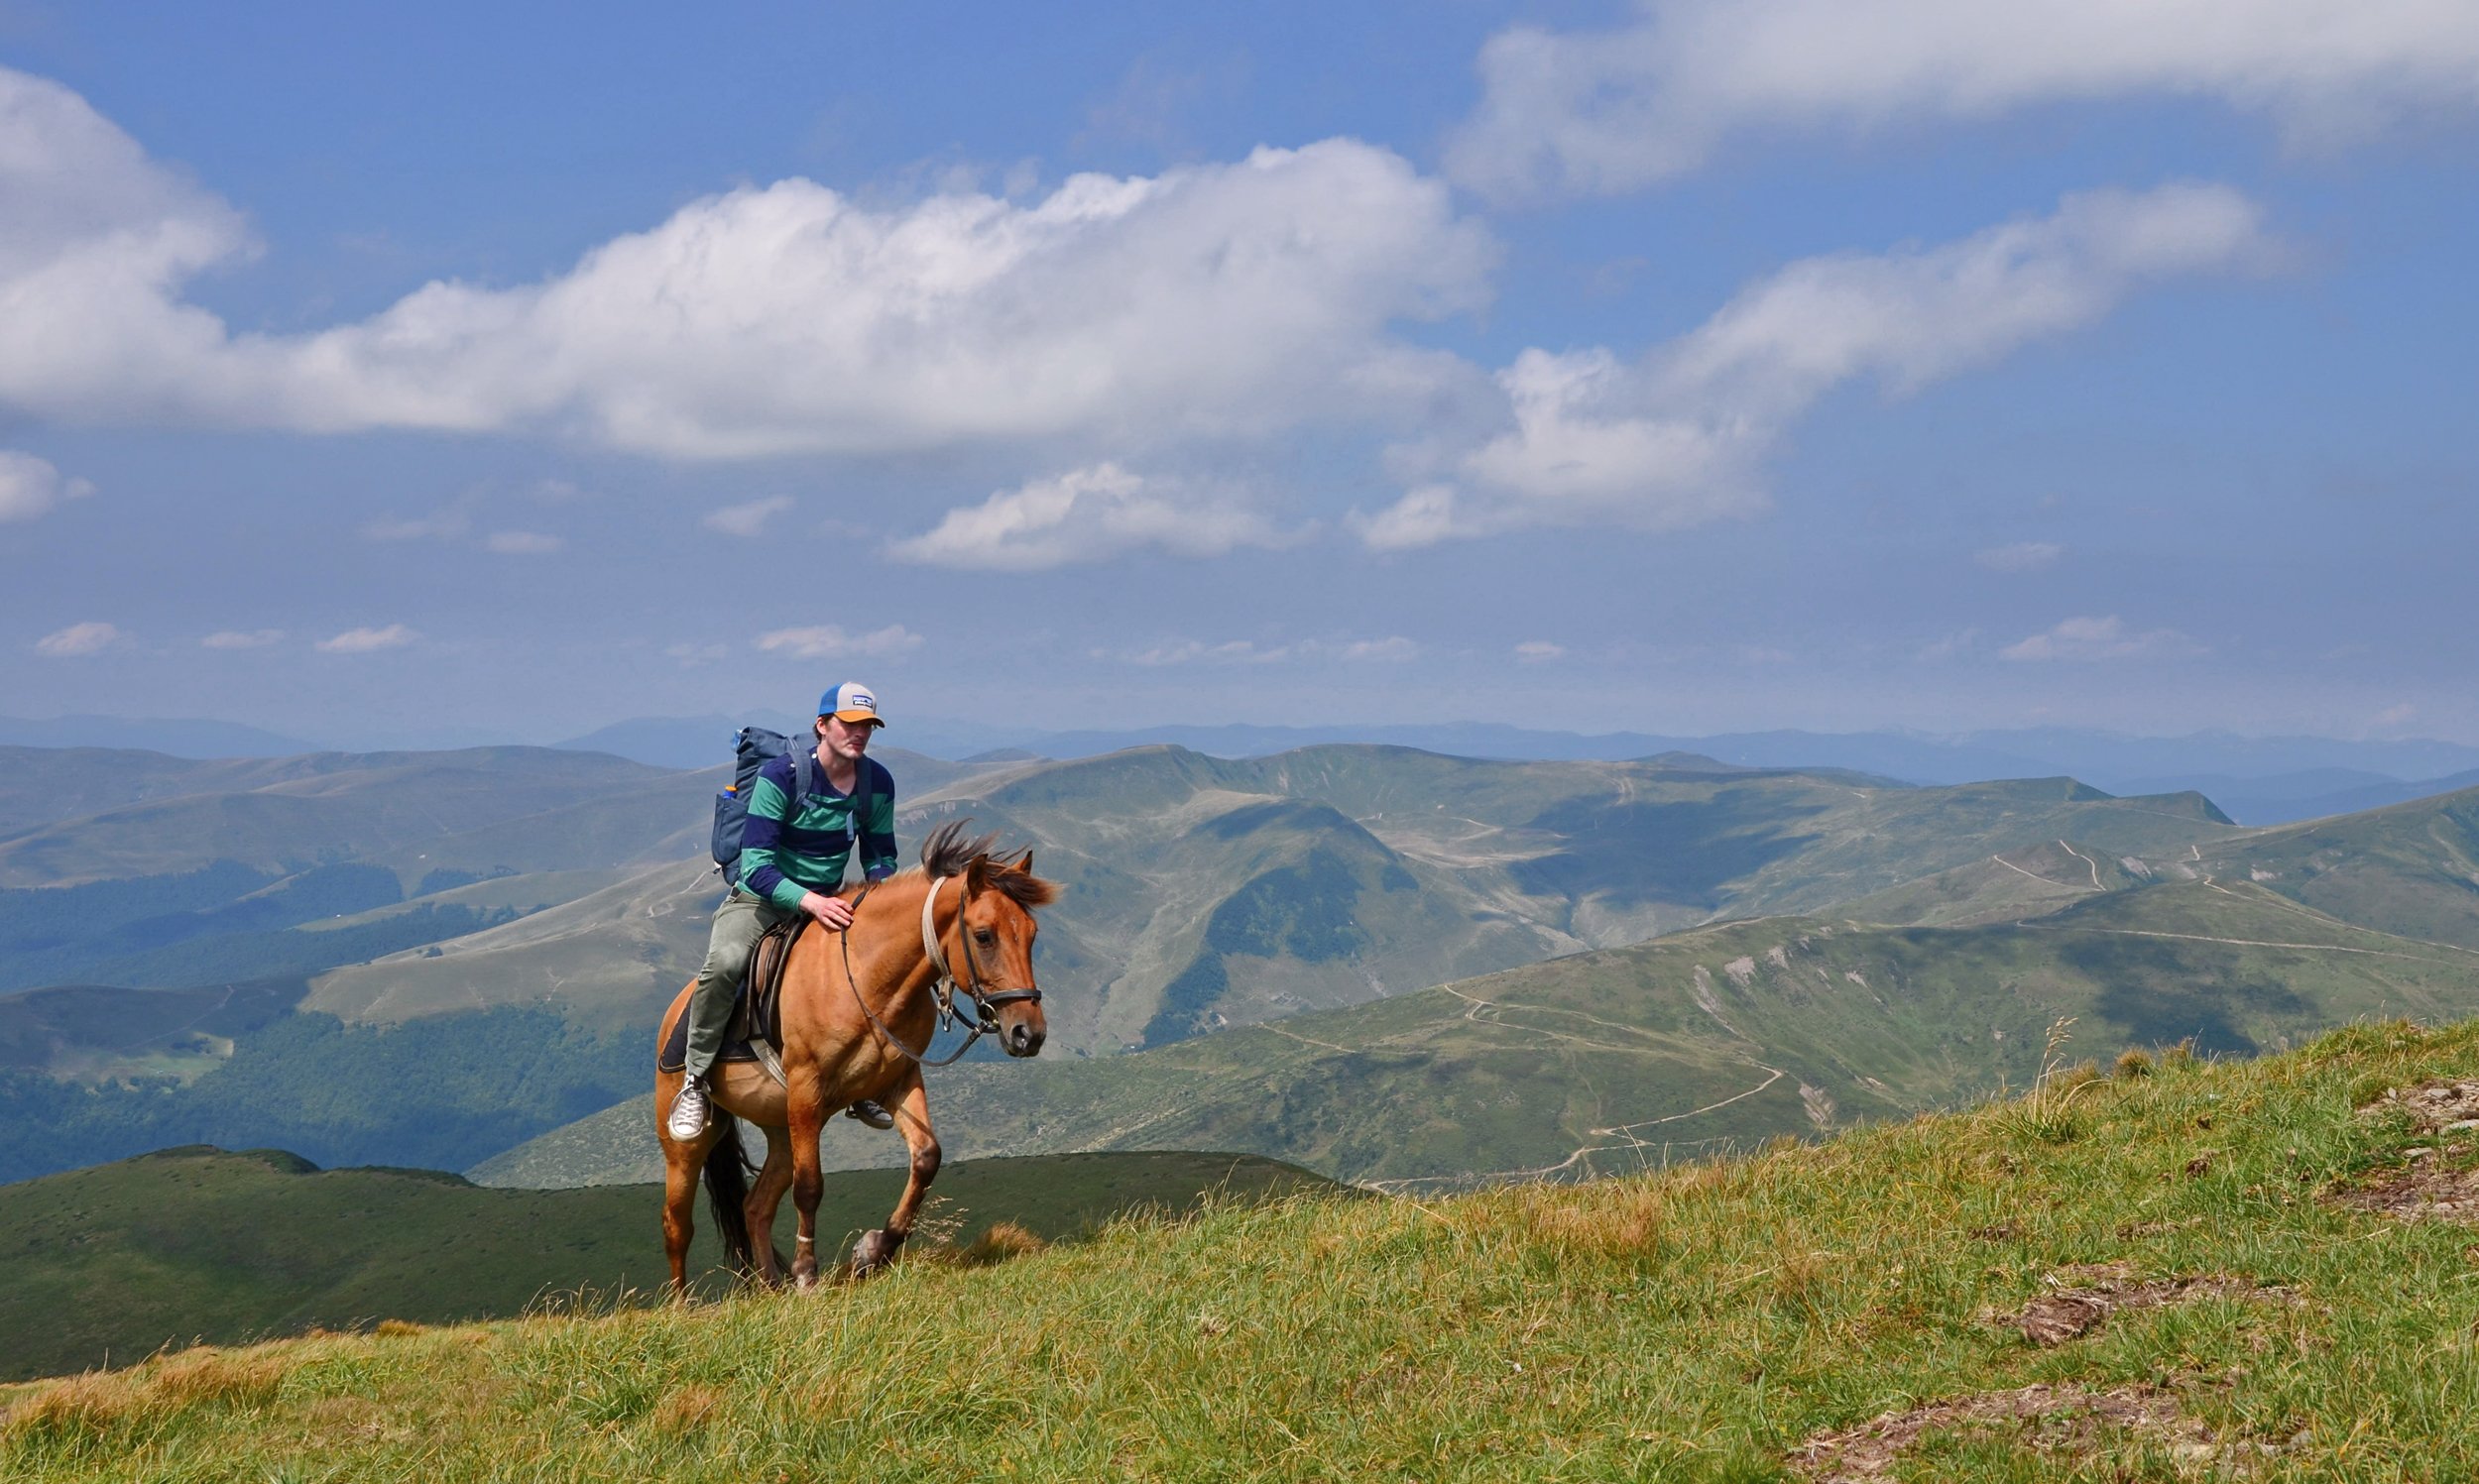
2257 780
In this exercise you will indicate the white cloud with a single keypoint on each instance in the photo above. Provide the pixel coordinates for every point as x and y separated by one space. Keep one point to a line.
78 641
1191 651
31 487
445 526
1677 438
1592 112
2393 716
746 521
2097 638
522 544
1088 516
2021 556
242 639
365 641
1538 651
1220 299
828 641
1392 649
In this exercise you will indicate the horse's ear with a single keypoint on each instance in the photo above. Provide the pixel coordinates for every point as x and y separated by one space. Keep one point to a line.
977 872
1025 868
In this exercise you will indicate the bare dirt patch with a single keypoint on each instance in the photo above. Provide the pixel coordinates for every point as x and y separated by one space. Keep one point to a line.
2046 1419
2422 1193
2438 1107
2083 1298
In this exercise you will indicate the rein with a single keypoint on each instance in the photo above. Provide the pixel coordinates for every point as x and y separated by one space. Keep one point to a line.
986 1002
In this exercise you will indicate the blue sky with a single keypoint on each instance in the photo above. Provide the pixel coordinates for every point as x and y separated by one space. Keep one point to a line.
1673 367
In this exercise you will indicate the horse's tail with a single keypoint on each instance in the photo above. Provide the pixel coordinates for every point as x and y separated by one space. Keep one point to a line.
727 1190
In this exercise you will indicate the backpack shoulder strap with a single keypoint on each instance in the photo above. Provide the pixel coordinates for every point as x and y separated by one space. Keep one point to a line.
804 774
860 800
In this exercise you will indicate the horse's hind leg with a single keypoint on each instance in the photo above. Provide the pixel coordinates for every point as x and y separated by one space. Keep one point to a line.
765 1198
876 1249
681 1163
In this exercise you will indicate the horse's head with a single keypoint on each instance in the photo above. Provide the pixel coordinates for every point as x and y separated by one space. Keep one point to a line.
995 931
999 930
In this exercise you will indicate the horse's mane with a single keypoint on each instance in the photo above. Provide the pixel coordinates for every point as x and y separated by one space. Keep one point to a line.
948 852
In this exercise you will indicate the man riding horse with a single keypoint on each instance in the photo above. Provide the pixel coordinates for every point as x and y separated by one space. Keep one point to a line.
793 855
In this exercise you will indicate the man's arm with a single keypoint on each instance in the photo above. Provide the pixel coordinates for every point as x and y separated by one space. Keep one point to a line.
877 834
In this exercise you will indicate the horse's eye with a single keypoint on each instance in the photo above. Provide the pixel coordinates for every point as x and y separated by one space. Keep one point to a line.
985 937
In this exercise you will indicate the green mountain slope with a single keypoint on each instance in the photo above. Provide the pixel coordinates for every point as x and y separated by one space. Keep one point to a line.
194 1244
378 802
1208 892
2410 868
1716 1038
2209 1252
1204 894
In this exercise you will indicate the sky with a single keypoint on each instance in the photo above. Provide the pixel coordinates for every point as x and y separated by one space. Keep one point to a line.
1675 367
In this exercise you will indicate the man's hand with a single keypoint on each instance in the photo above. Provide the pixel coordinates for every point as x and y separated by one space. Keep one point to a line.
830 911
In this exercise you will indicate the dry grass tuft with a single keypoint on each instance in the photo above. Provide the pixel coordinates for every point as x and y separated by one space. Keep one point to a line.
2134 1061
206 1374
395 1329
685 1409
1608 1228
1004 1241
2047 1112
85 1404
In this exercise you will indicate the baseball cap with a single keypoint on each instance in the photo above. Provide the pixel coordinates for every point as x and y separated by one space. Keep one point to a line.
851 702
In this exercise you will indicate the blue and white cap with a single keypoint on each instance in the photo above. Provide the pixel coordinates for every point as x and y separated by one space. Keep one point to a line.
851 702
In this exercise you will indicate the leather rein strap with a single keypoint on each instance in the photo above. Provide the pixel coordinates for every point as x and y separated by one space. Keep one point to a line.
986 1002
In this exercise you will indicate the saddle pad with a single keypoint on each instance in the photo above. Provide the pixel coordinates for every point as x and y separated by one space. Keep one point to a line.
674 1053
756 1002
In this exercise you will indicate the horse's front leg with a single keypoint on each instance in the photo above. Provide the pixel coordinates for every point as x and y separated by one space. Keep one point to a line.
804 1120
876 1249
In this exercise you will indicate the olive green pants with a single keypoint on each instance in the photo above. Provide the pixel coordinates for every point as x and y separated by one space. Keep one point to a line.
739 923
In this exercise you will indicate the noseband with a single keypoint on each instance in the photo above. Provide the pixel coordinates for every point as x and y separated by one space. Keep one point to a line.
986 1002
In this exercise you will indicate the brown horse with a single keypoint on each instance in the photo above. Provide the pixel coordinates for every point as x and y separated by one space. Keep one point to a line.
859 1010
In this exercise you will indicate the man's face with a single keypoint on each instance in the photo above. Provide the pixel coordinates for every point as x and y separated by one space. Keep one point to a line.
846 740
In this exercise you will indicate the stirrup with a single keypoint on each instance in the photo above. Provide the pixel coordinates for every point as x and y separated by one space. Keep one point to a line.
871 1113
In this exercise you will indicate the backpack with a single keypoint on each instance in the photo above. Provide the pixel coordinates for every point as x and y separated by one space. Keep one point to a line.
753 749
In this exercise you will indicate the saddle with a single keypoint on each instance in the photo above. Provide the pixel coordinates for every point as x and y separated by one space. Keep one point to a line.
757 1029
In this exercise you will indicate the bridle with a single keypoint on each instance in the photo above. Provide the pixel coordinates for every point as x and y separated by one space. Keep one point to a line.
987 1002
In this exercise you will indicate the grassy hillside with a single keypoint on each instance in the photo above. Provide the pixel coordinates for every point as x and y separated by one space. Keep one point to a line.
1712 1039
368 804
2208 1256
110 1264
1207 893
2411 868
439 1093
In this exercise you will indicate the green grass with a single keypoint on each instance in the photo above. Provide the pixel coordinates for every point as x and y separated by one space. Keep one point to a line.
110 1264
439 1093
1697 1323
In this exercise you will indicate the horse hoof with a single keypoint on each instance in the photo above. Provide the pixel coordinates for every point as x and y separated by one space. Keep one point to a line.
874 1250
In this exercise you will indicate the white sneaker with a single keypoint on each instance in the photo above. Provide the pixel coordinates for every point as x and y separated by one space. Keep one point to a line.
689 1111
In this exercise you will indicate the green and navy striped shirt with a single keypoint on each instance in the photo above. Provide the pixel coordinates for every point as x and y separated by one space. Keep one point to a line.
786 854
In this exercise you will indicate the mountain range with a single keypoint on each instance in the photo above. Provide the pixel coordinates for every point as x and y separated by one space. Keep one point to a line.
420 957
2256 780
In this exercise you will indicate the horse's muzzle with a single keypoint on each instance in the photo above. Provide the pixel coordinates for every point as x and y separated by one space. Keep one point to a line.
1022 1039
